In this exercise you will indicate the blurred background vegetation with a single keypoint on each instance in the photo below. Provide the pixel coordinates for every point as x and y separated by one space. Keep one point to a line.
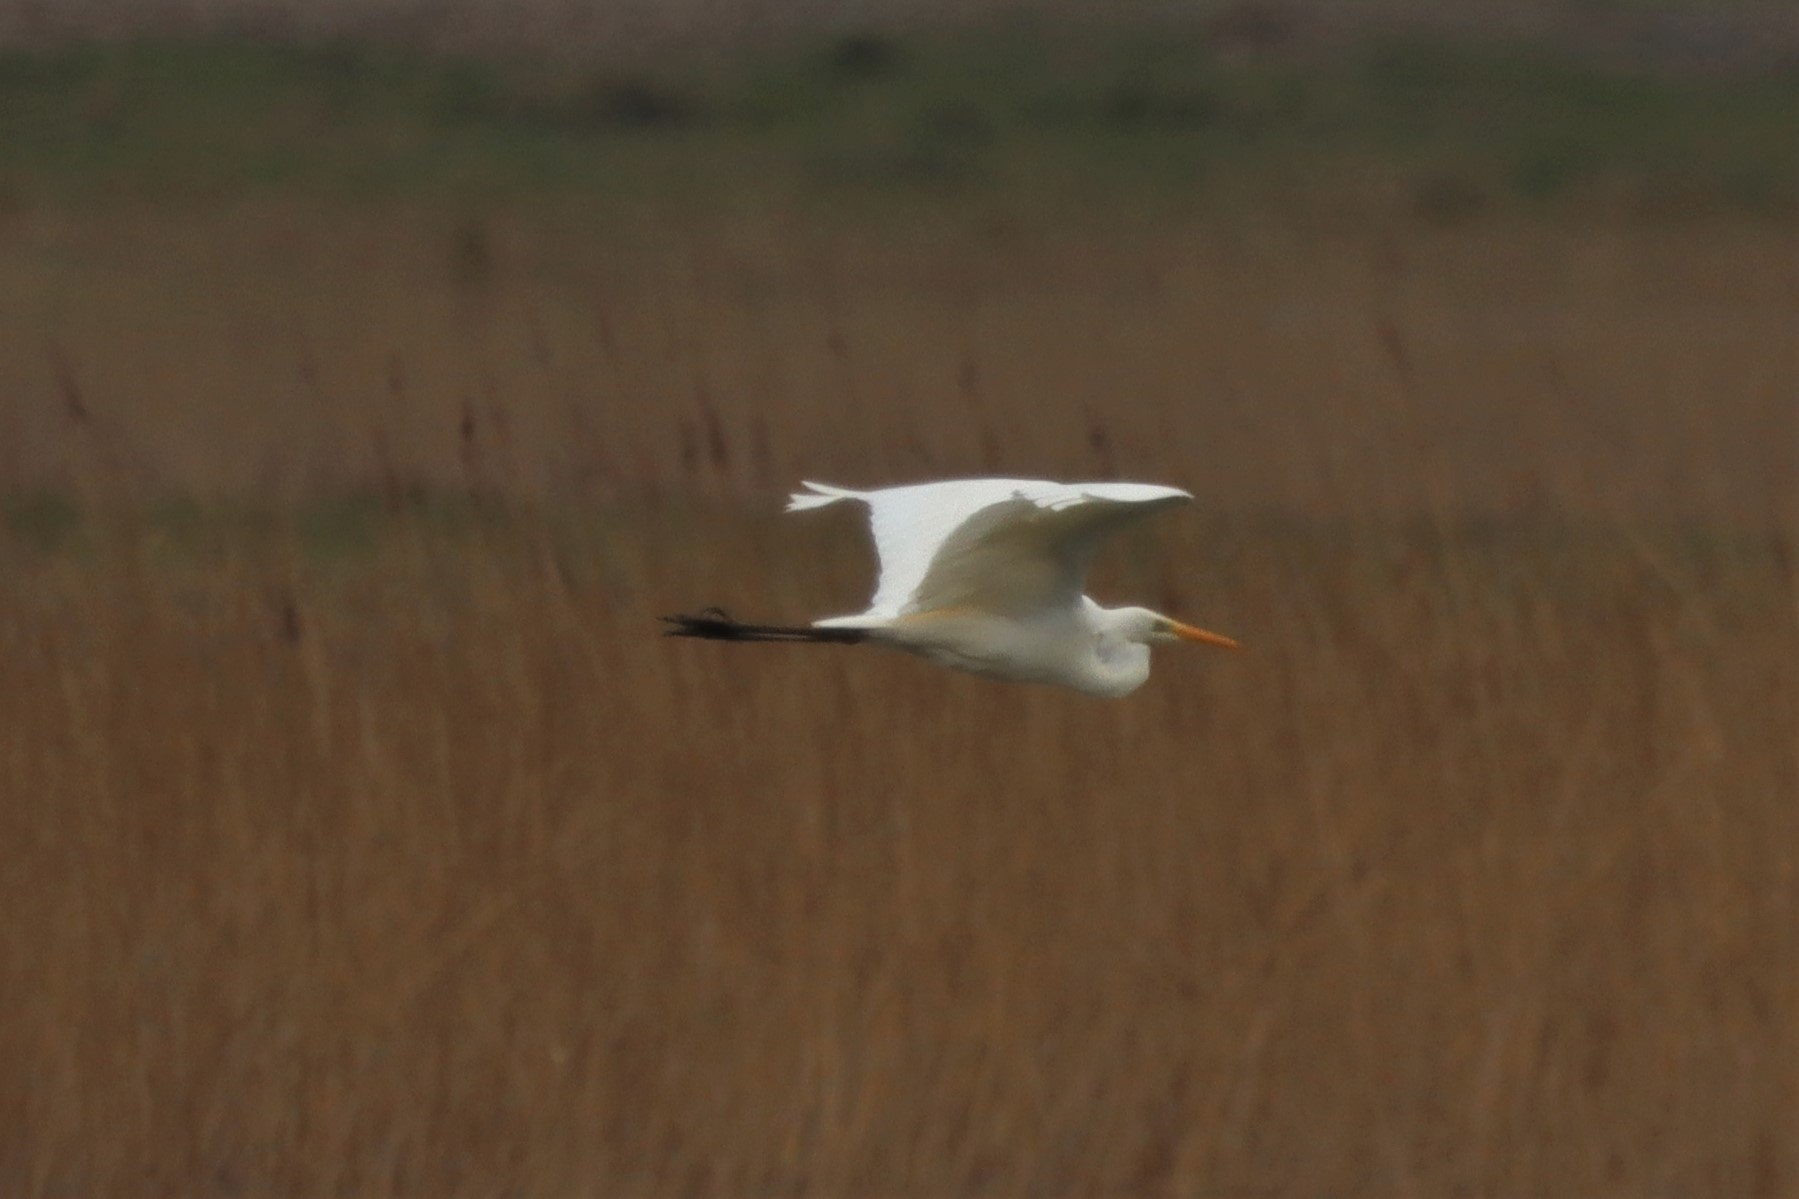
449 172
1696 119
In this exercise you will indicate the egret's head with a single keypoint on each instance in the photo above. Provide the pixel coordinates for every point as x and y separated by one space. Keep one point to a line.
1143 625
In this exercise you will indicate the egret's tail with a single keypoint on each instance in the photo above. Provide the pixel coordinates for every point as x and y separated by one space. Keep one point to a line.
714 625
820 495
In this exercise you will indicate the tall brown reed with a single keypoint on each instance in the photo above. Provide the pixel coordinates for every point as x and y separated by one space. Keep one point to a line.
385 849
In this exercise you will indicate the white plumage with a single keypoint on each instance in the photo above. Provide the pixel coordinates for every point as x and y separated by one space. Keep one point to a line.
986 575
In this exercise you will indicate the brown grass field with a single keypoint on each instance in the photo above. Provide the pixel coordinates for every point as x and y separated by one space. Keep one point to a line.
360 837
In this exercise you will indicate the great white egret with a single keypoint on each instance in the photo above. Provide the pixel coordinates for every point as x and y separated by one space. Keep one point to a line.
986 575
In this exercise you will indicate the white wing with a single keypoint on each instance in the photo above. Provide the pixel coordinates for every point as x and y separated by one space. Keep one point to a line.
1011 545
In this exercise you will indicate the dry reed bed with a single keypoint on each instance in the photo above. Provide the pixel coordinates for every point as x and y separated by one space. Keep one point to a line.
1340 362
434 873
401 858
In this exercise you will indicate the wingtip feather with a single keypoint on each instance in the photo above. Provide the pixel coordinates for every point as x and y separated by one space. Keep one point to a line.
820 495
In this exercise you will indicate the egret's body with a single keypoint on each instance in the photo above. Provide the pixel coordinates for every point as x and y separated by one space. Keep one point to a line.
986 575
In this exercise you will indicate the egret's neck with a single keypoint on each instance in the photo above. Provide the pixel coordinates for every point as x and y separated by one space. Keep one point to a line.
1120 660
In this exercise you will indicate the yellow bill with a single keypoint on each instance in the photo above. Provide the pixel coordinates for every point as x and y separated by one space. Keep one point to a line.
1187 632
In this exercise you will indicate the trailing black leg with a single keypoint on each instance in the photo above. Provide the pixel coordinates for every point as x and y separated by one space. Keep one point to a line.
714 625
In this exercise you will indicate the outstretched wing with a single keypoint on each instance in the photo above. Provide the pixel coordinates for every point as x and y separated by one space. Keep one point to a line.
1031 552
1008 545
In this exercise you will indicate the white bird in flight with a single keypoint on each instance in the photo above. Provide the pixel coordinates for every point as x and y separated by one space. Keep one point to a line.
986 575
